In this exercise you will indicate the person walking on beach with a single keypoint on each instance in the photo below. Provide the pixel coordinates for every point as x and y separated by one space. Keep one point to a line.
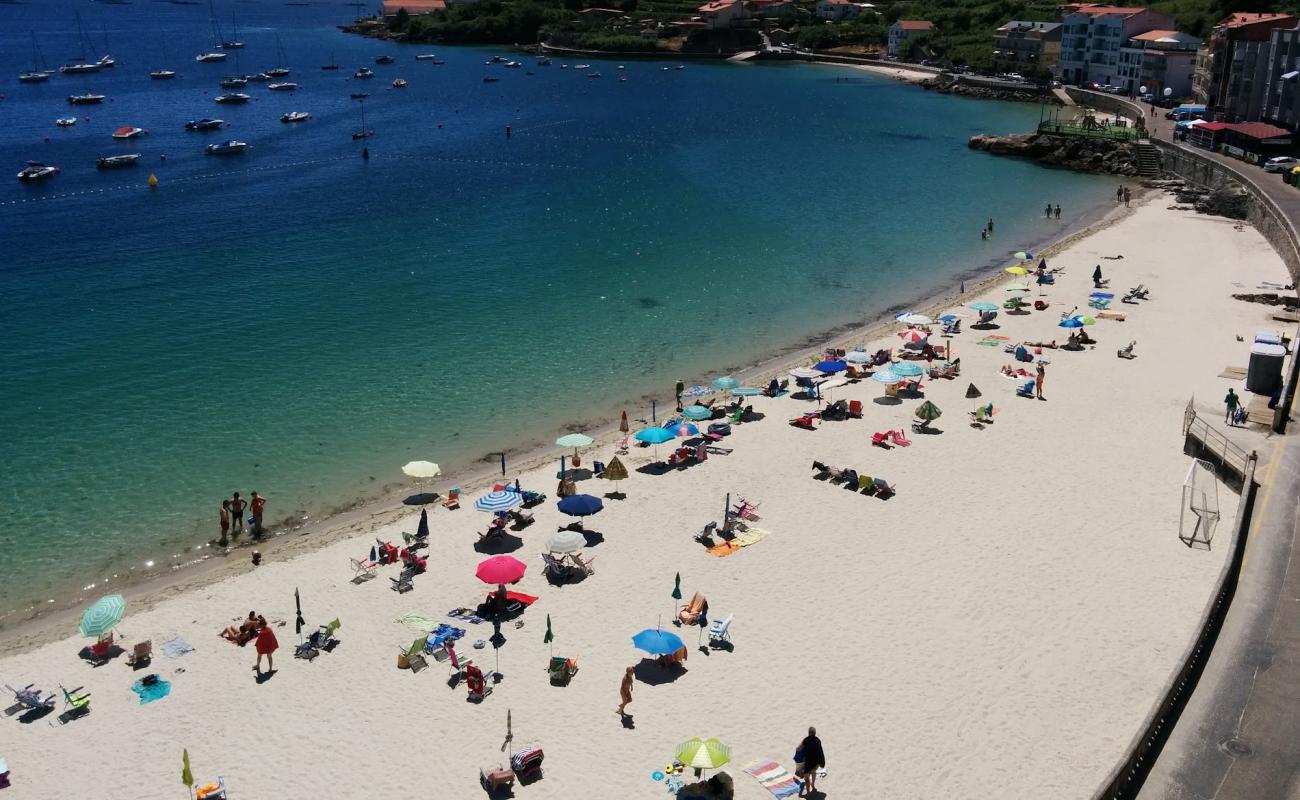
266 645
1231 401
1058 210
237 506
814 758
258 504
625 691
681 387
1038 381
225 522
1119 193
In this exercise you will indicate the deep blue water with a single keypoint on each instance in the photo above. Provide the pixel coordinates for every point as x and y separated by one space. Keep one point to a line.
300 321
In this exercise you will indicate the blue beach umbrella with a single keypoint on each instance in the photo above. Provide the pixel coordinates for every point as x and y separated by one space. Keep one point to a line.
682 429
657 642
498 501
907 369
580 505
1071 322
887 377
100 618
984 305
697 413
746 391
830 366
726 382
653 435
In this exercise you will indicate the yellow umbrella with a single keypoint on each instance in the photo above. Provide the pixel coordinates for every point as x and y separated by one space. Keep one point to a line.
1017 270
703 753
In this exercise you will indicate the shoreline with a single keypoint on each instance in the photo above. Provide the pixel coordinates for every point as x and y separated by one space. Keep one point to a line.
22 630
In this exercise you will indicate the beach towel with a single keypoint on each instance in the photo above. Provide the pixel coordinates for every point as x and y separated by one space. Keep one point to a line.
176 647
774 777
750 536
418 622
723 549
151 692
526 599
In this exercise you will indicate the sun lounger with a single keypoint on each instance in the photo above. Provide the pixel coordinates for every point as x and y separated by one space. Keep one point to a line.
1127 350
706 534
76 703
986 318
561 670
884 489
453 499
621 447
821 469
29 697
583 566
413 542
362 569
690 613
719 631
806 421
866 484
141 654
211 791
557 567
1099 303
837 475
478 686
747 509
900 438
881 439
403 582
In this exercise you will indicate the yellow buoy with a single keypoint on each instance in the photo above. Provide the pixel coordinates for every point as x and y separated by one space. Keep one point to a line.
153 181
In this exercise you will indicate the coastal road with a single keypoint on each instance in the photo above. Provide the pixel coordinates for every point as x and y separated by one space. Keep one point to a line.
1239 736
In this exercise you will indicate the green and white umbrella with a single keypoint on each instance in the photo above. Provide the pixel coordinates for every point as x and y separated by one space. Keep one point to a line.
928 411
703 753
100 618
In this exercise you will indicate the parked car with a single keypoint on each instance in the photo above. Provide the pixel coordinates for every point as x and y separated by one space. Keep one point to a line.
1281 164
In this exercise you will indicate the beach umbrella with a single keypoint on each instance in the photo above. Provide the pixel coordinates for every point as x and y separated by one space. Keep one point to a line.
928 411
615 472
973 392
859 357
566 541
1087 320
1023 255
297 603
726 382
622 423
500 570
657 642
804 372
914 336
653 435
422 469
682 429
103 615
1070 322
984 305
907 369
500 500
697 413
580 505
574 440
703 753
887 377
746 391
829 367
1017 270
915 319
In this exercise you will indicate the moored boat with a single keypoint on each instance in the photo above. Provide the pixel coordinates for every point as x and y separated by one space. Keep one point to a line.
89 98
226 148
295 116
490 79
234 82
162 74
129 132
425 57
364 72
544 61
399 84
208 57
124 160
204 124
65 122
233 97
284 86
73 69
384 59
33 77
35 171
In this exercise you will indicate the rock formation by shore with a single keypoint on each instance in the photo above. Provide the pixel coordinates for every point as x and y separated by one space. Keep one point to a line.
1078 153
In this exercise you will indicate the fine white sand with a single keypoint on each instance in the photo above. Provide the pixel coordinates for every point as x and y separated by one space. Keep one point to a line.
1004 621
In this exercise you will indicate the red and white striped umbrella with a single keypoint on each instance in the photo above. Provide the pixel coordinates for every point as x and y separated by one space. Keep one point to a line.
914 336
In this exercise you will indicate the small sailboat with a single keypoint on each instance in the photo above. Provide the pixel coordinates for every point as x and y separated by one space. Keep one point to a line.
38 73
204 124
81 64
35 171
129 132
280 70
295 116
233 97
124 160
333 65
233 42
226 148
106 61
363 132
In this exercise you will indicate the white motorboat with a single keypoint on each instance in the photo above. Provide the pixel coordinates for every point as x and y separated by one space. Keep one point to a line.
260 77
583 66
295 116
65 122
124 160
399 84
209 57
89 98
162 74
204 124
364 72
35 171
129 132
233 97
106 62
234 82
33 77
74 69
513 65
425 57
283 87
230 147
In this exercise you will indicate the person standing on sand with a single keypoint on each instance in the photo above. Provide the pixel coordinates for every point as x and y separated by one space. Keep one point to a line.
814 758
1119 193
237 506
1096 277
984 234
625 691
258 504
1231 401
266 645
1038 381
681 387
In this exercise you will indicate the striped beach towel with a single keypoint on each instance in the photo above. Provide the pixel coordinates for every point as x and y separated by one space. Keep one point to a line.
774 777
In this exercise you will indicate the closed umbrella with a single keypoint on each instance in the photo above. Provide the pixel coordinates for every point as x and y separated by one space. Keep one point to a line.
703 753
422 469
622 423
500 500
907 369
726 382
297 603
657 642
100 618
566 541
828 367
422 530
547 639
187 777
697 413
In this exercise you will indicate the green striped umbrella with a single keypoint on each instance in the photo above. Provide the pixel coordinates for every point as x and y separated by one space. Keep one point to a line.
100 618
928 411
703 753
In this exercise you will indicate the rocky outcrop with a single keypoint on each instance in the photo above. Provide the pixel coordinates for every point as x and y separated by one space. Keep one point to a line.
1229 200
1078 153
985 93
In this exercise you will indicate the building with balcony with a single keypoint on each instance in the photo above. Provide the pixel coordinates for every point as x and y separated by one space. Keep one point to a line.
1021 46
1232 67
1092 36
1158 60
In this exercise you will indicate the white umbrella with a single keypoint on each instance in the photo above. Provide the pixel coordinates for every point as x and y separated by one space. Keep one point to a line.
566 541
805 372
858 357
831 383
422 469
916 319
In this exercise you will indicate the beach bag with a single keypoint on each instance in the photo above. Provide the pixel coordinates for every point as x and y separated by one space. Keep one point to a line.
798 762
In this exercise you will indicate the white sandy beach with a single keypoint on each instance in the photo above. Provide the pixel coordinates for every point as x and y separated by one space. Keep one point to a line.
1005 621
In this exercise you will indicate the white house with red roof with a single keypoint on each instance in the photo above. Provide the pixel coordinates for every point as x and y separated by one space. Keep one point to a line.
1092 35
903 30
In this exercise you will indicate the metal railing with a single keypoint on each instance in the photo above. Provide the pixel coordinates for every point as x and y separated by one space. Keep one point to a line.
1213 442
1088 132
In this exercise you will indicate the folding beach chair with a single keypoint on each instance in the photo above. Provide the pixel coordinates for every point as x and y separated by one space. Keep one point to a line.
707 533
476 683
583 565
29 697
414 655
141 654
211 791
557 567
494 779
75 702
362 570
855 409
453 499
900 438
691 612
719 631
403 582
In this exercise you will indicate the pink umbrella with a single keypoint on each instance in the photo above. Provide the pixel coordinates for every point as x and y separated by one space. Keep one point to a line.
501 570
914 336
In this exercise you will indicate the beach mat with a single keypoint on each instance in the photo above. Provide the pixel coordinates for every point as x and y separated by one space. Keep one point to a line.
993 340
774 777
742 539
176 647
1233 373
1111 315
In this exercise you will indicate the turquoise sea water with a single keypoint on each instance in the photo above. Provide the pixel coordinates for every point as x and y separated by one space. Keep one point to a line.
300 321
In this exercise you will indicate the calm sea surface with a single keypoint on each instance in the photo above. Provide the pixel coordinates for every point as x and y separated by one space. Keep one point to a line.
300 321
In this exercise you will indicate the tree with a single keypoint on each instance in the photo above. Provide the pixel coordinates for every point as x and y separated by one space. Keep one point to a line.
402 20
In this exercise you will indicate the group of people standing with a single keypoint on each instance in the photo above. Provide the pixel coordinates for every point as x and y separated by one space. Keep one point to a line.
232 513
1122 194
1050 212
